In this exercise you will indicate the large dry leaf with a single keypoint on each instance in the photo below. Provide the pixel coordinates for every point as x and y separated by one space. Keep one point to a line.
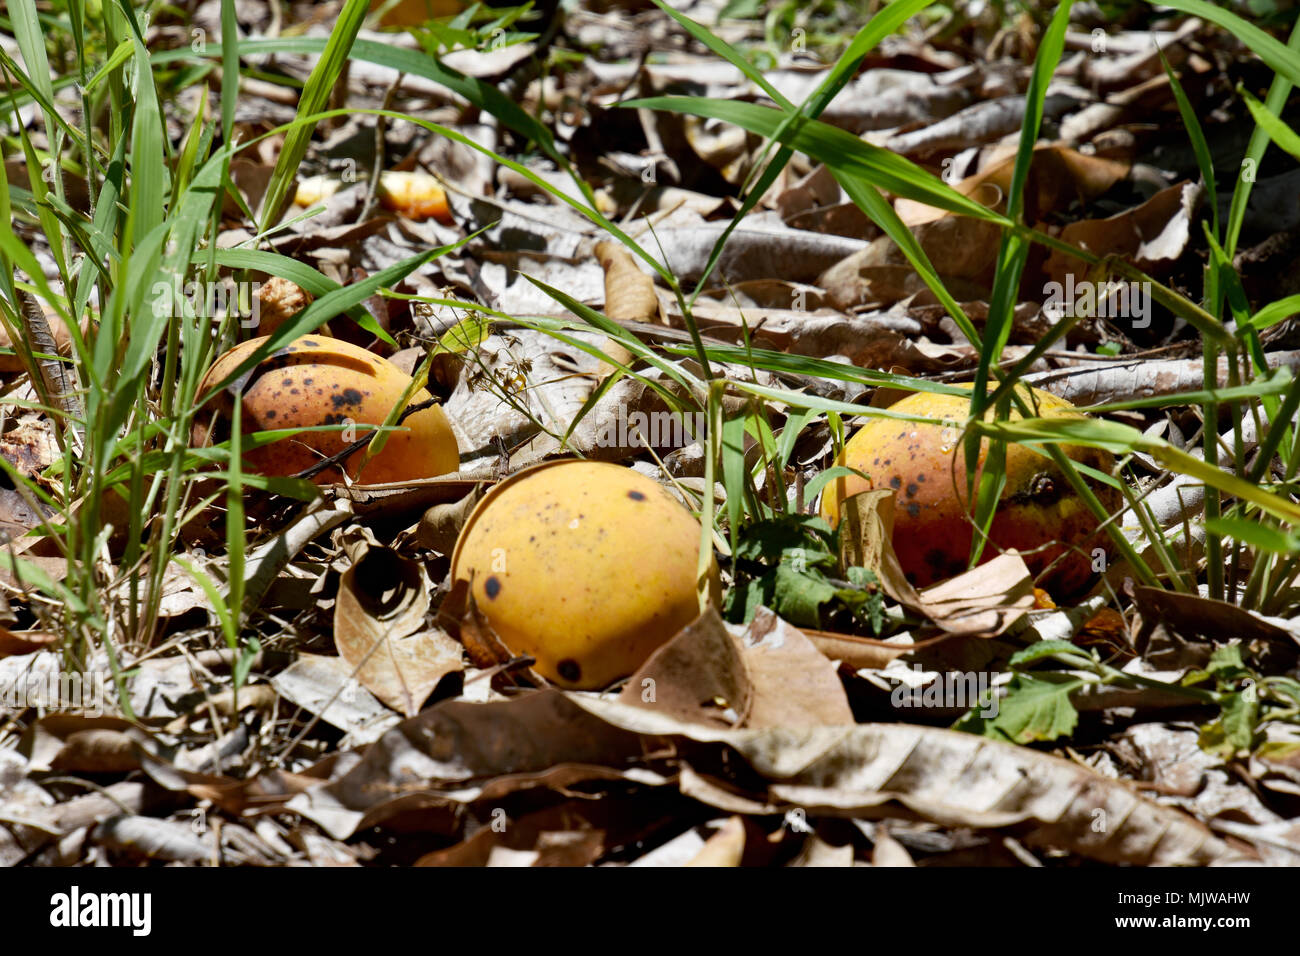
1192 614
986 121
948 777
72 743
152 839
629 292
440 526
794 684
1151 235
325 686
963 249
878 340
378 630
769 676
1058 177
698 676
758 249
458 752
864 652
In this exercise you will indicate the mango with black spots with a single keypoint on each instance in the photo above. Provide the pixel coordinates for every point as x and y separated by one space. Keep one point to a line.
319 380
588 567
1039 513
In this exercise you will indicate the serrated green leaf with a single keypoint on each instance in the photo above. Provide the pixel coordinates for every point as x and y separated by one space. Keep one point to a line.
1033 709
1040 650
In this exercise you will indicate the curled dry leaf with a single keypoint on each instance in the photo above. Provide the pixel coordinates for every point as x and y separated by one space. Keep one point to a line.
74 743
1151 236
758 249
458 752
1191 614
379 630
629 292
864 652
948 777
772 676
152 839
440 526
25 642
964 248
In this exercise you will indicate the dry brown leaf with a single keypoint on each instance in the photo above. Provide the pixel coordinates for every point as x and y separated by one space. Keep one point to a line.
724 848
888 851
698 676
1150 236
794 684
458 752
1058 177
948 777
964 250
864 652
378 630
985 600
69 742
325 686
869 341
440 526
1191 614
629 292
152 839
757 249
25 642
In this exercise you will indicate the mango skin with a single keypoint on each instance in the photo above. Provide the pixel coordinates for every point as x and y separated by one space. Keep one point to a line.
318 380
586 566
926 467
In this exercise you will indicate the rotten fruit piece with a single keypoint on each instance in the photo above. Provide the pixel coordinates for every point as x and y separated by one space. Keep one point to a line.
588 567
318 380
1038 514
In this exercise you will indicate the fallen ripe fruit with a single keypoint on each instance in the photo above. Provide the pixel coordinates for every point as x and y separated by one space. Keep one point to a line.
415 195
586 566
318 380
925 465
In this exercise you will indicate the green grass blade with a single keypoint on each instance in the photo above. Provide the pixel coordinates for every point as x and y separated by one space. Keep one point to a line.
315 96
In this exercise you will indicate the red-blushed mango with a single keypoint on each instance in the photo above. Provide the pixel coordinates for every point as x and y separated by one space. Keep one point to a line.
586 566
318 380
1039 514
